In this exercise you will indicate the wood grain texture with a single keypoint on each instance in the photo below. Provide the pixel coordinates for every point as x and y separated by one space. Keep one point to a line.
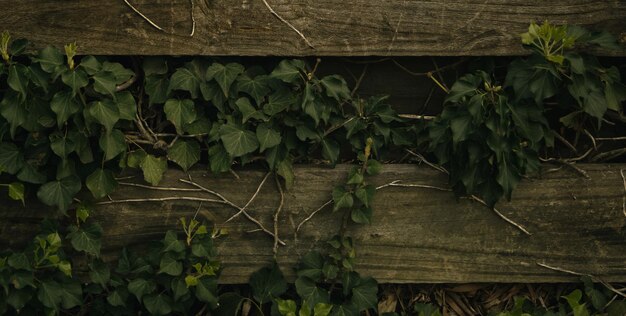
345 28
417 235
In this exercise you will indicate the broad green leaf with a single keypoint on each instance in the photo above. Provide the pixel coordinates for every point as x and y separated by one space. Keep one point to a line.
310 292
59 193
16 191
169 265
237 141
336 87
184 79
126 105
361 215
140 287
99 273
91 65
11 158
330 149
18 78
87 239
268 137
285 170
286 307
322 309
104 82
365 194
82 146
135 157
206 291
171 243
112 144
153 169
61 145
256 88
364 295
219 160
595 104
50 58
460 127
202 247
106 112
373 167
311 266
247 110
118 297
19 261
101 183
268 283
75 79
180 113
225 75
157 89
18 298
14 111
463 87
289 71
341 198
120 73
64 104
22 279
279 101
185 153
49 294
158 304
154 66
179 288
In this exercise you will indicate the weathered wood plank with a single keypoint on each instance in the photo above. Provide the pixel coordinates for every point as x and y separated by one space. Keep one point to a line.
346 28
417 235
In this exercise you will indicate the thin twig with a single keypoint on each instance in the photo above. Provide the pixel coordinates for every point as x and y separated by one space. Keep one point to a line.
308 218
567 163
286 22
396 183
621 138
277 213
621 172
164 199
258 189
126 84
144 17
417 117
193 20
502 216
358 82
593 139
609 154
428 163
565 142
158 188
594 278
581 157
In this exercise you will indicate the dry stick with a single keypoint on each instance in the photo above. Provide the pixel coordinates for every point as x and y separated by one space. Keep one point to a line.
158 188
228 202
313 214
193 19
126 84
173 198
277 213
565 142
358 82
567 163
593 139
594 278
621 172
472 197
417 117
609 154
610 138
286 22
258 189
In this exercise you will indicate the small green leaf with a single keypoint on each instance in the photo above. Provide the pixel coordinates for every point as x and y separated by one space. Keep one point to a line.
170 266
11 158
18 78
289 71
106 112
118 297
140 287
225 75
64 104
62 146
19 261
16 191
309 291
361 215
91 65
237 141
330 150
365 194
180 113
101 183
206 291
185 153
157 89
373 167
126 105
112 144
342 198
87 239
153 169
50 58
322 309
99 273
279 101
268 137
336 87
158 304
268 283
104 83
256 88
286 307
60 192
75 79
184 79
172 243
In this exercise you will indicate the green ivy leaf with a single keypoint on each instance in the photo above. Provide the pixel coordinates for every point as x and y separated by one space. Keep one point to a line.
256 88
158 304
157 89
50 58
18 78
219 160
225 75
62 146
310 292
311 266
105 112
11 158
237 141
171 243
322 309
64 104
342 198
153 169
336 87
286 307
118 297
91 65
180 113
202 247
140 287
59 193
169 265
86 239
104 83
365 194
30 174
112 144
361 215
185 153
184 79
289 71
19 261
126 105
279 101
247 110
120 73
75 79
16 191
14 111
135 158
330 150
285 170
99 273
268 283
595 104
205 291
268 137
364 294
101 183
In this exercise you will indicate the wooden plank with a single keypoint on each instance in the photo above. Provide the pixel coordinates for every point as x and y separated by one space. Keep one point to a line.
345 28
417 235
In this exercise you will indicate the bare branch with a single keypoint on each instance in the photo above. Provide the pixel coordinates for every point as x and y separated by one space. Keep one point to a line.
277 213
243 209
594 278
286 22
